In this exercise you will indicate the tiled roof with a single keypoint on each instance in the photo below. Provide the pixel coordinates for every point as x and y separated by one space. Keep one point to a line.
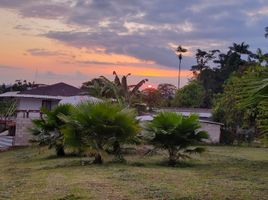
58 89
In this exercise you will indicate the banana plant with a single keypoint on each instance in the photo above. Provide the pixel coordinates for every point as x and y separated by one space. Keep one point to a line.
120 88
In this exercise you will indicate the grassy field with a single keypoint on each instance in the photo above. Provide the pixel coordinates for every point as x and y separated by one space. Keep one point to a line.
220 173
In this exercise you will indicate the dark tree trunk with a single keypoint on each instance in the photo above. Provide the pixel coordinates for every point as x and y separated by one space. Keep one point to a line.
118 152
98 159
60 150
172 157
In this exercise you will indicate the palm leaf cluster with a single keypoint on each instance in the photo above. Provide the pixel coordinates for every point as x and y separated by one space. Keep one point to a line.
98 126
118 88
255 92
47 130
177 134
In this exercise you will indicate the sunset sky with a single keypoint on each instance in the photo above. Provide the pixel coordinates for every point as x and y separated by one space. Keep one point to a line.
76 40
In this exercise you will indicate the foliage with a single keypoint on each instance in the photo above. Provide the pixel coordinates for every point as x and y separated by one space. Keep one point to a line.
7 107
256 93
118 89
177 134
202 59
47 130
98 126
19 85
191 95
96 88
167 92
151 97
239 105
213 67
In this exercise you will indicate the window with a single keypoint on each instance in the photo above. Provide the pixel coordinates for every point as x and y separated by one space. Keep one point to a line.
47 104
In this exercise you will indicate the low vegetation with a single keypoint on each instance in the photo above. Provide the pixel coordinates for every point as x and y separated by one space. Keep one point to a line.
235 173
176 134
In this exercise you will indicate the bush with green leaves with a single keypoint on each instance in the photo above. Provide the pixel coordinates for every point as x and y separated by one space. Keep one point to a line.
98 126
176 134
47 130
190 96
255 94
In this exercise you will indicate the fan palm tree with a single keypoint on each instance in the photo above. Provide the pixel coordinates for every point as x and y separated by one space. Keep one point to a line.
177 134
179 51
98 126
47 130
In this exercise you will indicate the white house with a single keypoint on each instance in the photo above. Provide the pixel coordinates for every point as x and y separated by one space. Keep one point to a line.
28 105
213 128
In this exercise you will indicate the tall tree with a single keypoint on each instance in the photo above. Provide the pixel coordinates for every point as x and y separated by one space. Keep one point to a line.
240 48
179 52
202 59
213 75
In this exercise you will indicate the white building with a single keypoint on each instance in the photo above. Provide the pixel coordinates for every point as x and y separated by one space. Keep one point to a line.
28 105
212 128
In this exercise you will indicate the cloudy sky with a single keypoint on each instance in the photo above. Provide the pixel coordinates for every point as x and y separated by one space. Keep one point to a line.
75 40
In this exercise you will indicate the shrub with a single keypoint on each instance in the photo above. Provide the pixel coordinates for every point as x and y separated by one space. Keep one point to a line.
47 130
98 126
177 134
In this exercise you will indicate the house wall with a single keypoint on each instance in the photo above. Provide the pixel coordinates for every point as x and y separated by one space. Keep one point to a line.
214 131
22 135
32 104
23 123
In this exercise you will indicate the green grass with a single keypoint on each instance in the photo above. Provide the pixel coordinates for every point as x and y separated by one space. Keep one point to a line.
220 173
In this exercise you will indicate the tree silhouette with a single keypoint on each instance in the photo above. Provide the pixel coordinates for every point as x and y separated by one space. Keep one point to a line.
240 48
179 51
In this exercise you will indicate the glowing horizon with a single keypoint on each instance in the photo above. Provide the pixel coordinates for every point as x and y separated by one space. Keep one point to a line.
75 41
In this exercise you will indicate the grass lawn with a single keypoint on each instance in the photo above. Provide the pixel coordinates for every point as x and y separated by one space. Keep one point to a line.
220 173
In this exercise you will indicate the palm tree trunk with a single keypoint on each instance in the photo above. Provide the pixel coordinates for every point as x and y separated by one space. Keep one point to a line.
172 156
118 152
60 150
179 74
98 159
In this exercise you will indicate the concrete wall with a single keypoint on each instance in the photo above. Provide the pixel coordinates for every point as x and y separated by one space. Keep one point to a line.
22 135
214 131
23 122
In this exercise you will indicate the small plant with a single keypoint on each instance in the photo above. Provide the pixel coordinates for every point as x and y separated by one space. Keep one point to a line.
176 134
